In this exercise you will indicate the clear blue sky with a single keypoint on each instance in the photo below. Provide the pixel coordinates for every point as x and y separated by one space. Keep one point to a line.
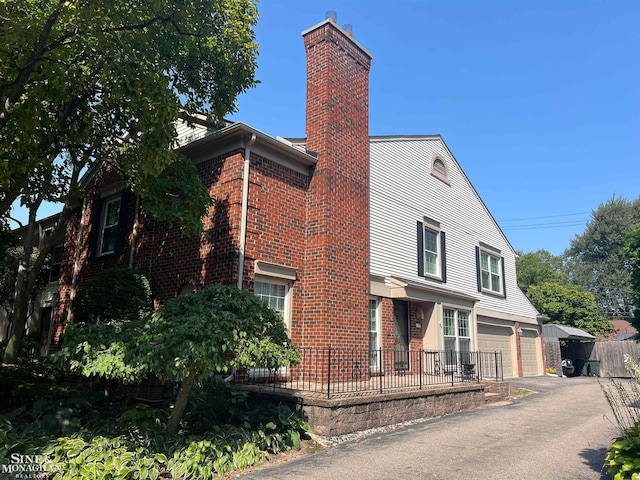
539 101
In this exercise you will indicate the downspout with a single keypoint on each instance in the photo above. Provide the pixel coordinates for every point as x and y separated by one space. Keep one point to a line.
245 208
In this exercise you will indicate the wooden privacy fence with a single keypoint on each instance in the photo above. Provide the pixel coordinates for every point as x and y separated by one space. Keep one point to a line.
611 357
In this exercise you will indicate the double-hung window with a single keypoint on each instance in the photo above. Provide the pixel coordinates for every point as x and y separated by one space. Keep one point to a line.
56 263
109 225
490 272
374 333
431 250
275 294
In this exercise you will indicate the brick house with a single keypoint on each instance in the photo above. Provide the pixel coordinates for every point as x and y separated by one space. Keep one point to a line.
304 224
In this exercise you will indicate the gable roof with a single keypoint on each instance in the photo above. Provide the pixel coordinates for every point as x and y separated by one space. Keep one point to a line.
402 138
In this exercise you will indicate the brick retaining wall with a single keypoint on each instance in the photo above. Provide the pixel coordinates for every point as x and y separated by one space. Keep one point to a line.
339 416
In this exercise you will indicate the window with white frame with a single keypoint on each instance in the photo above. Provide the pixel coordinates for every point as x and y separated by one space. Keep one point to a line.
274 293
490 266
431 250
374 332
56 263
457 335
109 220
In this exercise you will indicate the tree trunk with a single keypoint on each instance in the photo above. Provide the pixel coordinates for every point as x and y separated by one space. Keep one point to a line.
134 234
180 404
28 273
21 301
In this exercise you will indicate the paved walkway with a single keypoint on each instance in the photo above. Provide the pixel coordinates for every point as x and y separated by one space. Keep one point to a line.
561 432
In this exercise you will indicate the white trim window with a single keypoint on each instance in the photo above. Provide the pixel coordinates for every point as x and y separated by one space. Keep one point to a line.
457 335
374 332
56 263
490 272
275 293
431 251
109 220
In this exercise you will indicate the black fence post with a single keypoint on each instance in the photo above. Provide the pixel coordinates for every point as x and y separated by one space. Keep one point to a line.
329 374
421 369
380 368
496 361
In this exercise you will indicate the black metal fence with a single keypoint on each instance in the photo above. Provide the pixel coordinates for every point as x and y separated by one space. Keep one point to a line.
343 372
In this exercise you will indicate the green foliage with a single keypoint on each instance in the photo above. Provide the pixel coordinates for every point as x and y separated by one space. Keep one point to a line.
85 83
22 384
176 196
569 305
81 438
116 294
81 81
132 447
9 261
596 259
632 252
213 330
214 403
108 350
536 268
190 337
205 333
144 417
623 456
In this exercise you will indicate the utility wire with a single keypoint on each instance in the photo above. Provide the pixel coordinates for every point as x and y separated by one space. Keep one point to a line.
547 216
543 225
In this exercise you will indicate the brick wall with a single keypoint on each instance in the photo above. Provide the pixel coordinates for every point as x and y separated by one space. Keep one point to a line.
336 272
315 223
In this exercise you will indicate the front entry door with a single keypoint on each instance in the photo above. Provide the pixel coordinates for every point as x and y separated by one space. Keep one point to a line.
401 334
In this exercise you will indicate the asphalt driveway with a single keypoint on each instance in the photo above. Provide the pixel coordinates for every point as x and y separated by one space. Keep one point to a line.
561 432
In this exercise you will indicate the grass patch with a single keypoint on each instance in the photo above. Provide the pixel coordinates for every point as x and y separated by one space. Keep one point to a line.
519 392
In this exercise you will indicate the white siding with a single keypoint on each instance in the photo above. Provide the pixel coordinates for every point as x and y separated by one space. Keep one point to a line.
190 133
403 191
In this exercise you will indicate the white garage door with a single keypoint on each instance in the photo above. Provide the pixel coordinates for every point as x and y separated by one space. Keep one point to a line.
529 346
497 339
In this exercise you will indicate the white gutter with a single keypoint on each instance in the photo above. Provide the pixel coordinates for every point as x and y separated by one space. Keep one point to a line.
245 207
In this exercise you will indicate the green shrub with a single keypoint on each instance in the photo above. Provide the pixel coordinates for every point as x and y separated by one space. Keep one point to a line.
132 446
215 402
115 294
623 457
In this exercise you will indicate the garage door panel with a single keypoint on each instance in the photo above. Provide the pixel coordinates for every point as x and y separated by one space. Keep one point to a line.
529 349
497 339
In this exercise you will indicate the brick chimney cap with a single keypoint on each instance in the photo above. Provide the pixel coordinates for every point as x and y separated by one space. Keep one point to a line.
341 30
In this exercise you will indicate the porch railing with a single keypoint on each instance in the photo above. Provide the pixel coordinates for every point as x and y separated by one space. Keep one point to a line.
334 372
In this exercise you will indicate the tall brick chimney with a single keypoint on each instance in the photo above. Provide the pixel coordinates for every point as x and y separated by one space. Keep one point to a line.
336 274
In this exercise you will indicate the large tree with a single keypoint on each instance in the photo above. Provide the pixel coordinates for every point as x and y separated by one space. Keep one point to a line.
596 259
536 268
105 81
569 305
632 251
190 337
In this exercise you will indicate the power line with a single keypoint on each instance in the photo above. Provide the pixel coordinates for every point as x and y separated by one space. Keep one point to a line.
547 216
543 225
